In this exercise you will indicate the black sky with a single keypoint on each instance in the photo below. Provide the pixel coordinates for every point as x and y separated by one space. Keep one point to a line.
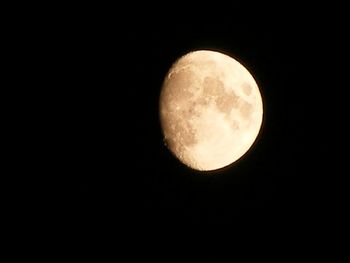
115 163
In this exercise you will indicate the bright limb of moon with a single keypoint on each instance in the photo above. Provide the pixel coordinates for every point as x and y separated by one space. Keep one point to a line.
211 110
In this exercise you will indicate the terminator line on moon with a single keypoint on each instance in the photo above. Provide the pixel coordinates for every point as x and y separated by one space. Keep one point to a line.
210 110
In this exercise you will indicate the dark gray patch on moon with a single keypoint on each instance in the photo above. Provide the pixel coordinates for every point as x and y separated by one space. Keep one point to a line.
247 89
227 101
214 90
246 109
234 125
212 87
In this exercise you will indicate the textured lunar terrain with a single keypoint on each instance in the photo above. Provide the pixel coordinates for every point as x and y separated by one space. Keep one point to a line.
210 110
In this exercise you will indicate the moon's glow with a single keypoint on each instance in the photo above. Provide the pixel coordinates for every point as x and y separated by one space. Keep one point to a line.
210 110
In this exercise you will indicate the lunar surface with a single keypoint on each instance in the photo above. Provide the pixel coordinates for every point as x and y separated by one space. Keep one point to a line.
210 110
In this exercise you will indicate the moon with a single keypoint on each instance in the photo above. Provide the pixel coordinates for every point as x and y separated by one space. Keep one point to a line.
211 110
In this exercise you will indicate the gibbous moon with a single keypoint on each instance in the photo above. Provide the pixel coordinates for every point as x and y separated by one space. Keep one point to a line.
210 110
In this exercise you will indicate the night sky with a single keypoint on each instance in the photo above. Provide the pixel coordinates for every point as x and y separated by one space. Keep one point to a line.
115 164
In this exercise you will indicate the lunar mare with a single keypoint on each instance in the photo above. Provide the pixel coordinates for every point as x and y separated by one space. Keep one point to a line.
210 110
